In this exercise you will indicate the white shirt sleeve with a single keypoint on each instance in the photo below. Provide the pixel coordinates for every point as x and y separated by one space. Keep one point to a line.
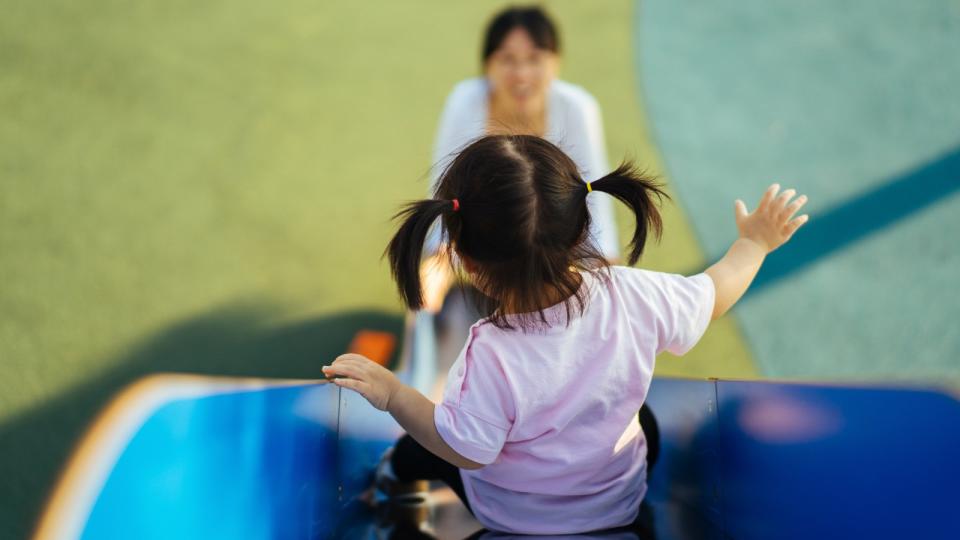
461 122
686 310
604 227
478 409
674 310
580 135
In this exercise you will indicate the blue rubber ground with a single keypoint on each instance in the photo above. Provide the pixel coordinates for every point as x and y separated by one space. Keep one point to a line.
855 104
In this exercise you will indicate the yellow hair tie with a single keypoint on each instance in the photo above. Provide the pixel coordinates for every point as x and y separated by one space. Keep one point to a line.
589 188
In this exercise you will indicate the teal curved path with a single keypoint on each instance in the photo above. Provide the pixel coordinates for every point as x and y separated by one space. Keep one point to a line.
856 105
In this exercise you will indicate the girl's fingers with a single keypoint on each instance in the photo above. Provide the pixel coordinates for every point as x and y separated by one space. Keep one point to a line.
768 196
794 224
790 210
782 200
362 387
342 361
343 368
352 360
739 210
351 357
331 371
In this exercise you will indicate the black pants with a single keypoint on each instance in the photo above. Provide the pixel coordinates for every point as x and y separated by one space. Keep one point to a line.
412 462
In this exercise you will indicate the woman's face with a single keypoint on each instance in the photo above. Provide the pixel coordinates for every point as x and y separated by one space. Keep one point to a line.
520 73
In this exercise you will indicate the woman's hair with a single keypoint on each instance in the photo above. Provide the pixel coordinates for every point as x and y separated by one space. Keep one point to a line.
516 207
532 19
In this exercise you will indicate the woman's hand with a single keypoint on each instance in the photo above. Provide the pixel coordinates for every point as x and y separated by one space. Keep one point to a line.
436 278
371 380
770 225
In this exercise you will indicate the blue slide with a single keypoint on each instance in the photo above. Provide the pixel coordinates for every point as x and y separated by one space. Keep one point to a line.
182 456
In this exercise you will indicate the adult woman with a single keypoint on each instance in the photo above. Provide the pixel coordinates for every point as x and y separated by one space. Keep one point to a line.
521 94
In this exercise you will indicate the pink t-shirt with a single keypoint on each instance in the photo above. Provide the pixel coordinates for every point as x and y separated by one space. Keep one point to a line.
552 412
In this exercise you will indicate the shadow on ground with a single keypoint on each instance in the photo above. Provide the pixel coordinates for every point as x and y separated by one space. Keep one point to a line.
234 340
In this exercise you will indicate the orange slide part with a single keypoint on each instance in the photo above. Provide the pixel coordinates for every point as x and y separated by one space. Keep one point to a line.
375 345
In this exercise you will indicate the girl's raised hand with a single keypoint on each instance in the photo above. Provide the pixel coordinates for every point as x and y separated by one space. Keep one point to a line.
368 378
770 225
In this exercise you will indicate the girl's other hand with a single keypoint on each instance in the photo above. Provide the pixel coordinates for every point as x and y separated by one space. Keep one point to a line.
371 380
770 225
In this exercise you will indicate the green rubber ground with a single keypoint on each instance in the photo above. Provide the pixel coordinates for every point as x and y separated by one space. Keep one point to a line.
207 187
855 105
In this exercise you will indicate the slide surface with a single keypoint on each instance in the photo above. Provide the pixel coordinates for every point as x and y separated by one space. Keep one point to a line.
201 457
755 460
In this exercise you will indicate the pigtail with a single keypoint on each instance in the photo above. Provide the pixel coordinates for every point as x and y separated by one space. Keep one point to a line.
405 248
643 195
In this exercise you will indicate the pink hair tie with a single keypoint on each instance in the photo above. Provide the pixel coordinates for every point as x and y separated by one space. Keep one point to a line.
456 205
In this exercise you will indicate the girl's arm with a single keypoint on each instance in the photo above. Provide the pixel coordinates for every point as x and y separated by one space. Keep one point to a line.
764 230
411 409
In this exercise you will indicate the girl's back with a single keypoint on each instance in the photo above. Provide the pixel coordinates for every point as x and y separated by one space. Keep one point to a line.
552 411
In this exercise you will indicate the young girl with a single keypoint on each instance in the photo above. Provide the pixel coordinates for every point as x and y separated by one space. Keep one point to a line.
537 430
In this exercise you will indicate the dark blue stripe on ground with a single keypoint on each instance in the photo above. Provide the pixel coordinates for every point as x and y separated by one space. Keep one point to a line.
862 216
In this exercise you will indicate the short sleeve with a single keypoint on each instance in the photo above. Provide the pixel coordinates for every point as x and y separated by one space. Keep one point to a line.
678 308
478 409
686 313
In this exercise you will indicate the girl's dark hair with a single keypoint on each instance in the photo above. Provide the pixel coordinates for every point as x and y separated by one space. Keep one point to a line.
532 19
516 207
